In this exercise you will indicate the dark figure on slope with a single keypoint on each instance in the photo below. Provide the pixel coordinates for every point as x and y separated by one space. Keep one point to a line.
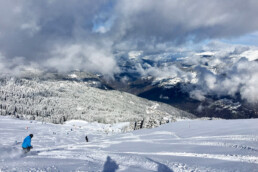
86 138
26 145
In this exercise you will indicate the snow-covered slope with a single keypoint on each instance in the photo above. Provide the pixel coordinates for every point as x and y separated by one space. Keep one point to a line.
216 145
58 101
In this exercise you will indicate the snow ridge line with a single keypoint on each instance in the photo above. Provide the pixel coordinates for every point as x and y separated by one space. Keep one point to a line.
228 137
220 144
248 159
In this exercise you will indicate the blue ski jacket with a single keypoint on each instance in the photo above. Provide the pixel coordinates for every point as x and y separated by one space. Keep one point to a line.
26 142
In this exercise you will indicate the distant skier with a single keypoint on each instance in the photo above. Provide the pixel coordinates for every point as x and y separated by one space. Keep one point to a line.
26 145
86 138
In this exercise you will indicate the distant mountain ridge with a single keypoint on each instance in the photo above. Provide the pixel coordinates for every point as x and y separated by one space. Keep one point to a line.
176 90
153 78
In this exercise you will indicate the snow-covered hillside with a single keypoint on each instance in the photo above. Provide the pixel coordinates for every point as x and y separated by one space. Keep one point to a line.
58 101
216 145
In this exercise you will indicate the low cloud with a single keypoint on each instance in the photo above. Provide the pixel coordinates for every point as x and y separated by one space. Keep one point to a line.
197 94
83 57
17 66
217 71
228 75
163 72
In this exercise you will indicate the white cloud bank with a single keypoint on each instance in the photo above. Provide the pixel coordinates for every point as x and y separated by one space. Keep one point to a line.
33 29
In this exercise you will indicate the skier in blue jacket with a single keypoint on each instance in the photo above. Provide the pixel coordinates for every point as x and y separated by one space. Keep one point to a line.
26 145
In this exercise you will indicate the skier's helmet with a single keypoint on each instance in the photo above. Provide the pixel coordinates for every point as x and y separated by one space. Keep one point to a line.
31 135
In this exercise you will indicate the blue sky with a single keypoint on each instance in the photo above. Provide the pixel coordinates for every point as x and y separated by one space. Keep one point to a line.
250 39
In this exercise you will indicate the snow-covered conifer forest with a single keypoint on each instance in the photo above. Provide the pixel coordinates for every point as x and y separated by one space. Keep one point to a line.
57 101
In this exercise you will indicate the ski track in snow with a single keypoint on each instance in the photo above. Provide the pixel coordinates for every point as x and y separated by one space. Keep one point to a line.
58 148
249 159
